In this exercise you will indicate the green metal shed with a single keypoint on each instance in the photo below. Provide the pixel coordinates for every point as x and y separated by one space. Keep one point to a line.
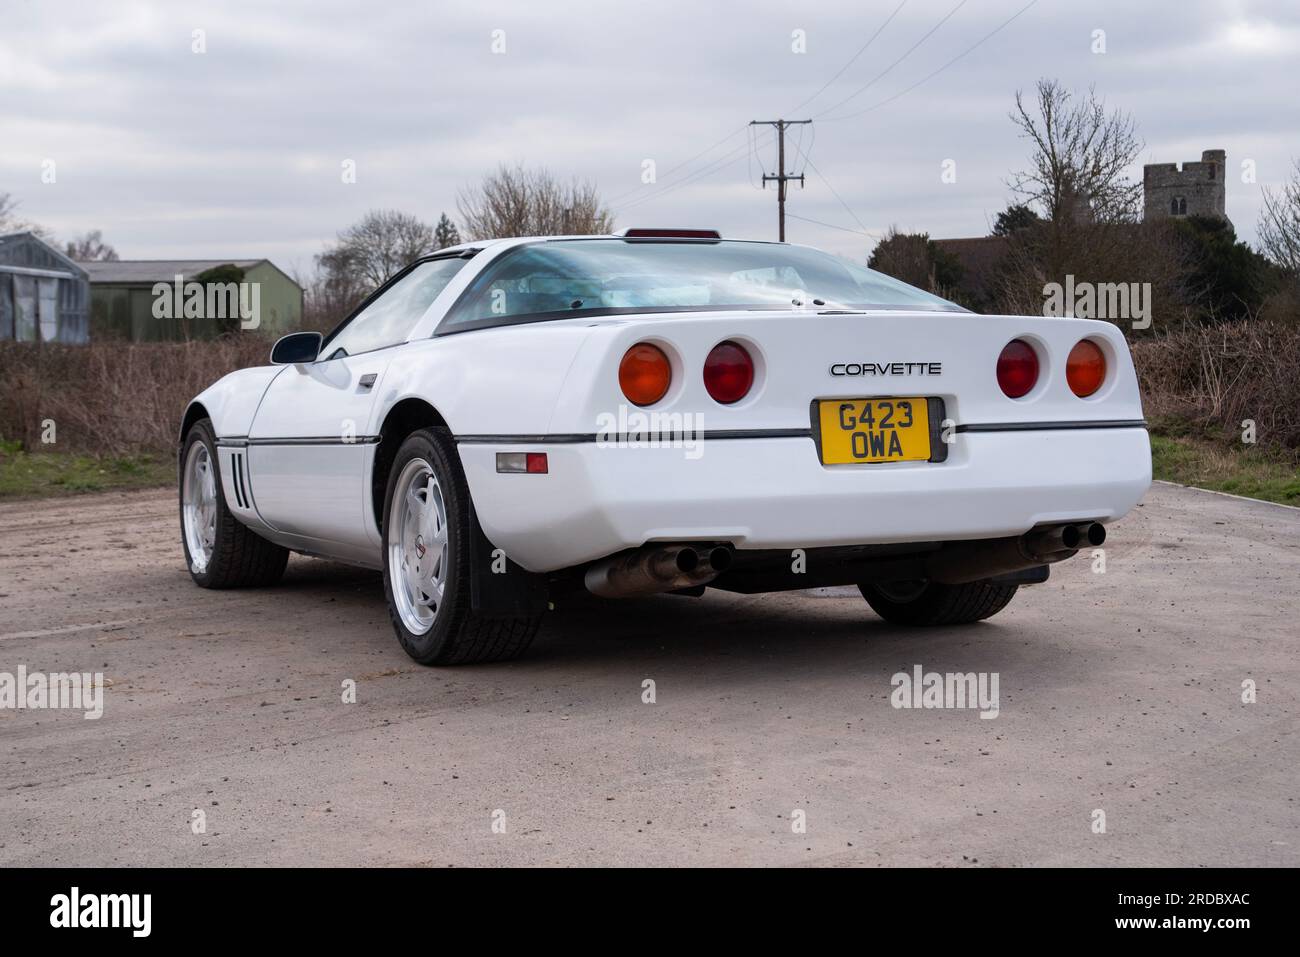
156 300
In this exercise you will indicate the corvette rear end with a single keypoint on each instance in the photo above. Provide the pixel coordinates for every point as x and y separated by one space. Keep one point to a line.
861 429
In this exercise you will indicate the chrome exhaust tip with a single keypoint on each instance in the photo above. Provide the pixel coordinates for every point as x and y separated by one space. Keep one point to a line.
654 569
963 562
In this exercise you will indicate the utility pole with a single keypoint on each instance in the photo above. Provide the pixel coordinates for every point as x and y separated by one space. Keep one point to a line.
781 178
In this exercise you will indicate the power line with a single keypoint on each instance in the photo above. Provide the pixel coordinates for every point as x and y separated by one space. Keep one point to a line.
834 192
613 202
861 50
711 167
930 76
812 140
727 159
750 155
846 229
686 162
862 89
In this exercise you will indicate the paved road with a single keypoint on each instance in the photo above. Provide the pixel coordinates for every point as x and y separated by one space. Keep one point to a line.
1119 692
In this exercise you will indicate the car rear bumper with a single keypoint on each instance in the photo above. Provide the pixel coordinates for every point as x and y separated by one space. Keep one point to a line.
773 492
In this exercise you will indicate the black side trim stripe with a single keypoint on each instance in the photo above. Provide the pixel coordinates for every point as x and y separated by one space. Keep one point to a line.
576 438
1052 426
242 442
558 438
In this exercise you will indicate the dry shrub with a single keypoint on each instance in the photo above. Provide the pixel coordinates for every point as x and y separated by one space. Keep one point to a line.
109 397
1213 378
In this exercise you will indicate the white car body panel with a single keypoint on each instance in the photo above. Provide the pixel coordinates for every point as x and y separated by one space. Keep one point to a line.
775 493
548 386
321 413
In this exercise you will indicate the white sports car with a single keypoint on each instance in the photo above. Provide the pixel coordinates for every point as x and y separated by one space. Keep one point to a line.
660 411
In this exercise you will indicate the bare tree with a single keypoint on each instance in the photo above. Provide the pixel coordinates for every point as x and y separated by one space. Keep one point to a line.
1079 157
10 221
329 296
370 251
515 201
1279 224
8 205
1078 212
91 248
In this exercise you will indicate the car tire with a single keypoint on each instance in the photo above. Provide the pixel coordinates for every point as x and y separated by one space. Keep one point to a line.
426 549
220 551
931 603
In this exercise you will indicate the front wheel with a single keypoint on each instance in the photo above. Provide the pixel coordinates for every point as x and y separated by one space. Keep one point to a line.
220 551
427 561
930 603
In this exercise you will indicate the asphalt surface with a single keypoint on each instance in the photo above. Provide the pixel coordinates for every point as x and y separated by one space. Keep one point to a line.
1118 691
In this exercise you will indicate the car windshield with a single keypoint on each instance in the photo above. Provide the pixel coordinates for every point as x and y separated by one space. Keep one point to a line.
567 278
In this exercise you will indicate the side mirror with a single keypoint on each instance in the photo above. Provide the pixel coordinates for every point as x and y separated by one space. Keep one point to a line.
296 347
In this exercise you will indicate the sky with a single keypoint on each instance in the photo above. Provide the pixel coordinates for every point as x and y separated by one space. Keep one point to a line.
240 150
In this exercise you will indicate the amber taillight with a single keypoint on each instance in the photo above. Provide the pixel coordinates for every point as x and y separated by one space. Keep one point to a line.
1085 369
645 374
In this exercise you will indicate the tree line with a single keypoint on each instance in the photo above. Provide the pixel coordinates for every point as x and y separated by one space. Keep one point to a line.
1074 212
511 201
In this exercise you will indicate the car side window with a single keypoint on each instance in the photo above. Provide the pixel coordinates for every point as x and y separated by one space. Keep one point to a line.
389 319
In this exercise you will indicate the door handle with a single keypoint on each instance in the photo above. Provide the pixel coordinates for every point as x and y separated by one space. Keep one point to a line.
367 380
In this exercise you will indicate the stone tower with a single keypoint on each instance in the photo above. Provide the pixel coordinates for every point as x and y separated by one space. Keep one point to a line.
1198 189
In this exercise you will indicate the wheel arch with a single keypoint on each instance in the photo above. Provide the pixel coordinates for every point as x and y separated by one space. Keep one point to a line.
193 413
406 416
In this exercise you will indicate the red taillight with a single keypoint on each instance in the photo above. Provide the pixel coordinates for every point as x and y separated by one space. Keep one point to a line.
728 372
1017 368
1085 369
645 374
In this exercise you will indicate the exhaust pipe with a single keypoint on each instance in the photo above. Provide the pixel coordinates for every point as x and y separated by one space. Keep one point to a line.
654 569
964 562
1066 537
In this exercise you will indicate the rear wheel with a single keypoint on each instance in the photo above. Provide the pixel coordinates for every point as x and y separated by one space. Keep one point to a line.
220 551
426 561
931 603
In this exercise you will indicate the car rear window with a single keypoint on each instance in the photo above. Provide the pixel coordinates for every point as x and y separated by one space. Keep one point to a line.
566 278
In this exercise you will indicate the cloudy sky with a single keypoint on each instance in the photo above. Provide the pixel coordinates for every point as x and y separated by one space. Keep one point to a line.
238 151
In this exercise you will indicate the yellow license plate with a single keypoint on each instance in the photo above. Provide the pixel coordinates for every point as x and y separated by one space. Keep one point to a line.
874 430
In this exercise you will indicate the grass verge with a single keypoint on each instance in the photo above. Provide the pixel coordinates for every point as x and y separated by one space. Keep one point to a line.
24 475
1241 470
